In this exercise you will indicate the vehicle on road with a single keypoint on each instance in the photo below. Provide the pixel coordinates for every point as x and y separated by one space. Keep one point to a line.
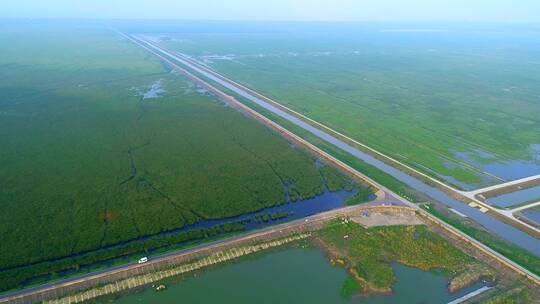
142 260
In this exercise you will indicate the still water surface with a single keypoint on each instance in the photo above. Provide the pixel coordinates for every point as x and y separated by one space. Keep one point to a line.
292 275
514 198
532 214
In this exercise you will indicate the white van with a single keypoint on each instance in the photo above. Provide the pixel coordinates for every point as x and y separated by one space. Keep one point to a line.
143 260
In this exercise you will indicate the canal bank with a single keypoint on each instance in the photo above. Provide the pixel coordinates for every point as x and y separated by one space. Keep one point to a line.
494 225
156 270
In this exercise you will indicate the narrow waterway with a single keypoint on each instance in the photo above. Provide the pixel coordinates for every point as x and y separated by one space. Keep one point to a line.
326 201
291 210
495 226
291 276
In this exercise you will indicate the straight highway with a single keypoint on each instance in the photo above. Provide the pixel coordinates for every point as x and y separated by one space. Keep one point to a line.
497 227
466 196
389 195
133 267
503 185
389 198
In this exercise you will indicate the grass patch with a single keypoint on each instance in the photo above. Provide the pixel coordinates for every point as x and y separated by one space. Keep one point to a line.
370 252
517 295
350 288
514 253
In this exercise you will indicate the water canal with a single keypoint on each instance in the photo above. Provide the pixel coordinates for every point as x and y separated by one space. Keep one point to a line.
505 231
290 210
533 214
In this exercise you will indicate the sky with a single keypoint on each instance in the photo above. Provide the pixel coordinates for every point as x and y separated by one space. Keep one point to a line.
279 10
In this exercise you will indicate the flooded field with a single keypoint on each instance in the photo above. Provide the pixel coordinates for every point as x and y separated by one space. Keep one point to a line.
511 199
291 276
155 90
506 169
532 214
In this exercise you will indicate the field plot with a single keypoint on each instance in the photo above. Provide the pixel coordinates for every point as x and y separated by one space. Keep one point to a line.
459 104
532 214
512 199
104 150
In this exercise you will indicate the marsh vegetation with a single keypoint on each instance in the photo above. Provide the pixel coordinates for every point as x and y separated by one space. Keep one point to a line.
104 150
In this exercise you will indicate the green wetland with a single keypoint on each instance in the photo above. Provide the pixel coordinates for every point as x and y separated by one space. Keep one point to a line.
105 151
107 155
435 101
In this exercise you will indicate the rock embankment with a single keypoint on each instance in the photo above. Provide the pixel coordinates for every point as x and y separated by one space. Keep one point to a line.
473 274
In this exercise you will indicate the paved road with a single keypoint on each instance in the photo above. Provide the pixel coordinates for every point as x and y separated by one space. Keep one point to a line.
389 199
525 207
168 57
155 260
500 228
255 96
508 214
502 185
471 295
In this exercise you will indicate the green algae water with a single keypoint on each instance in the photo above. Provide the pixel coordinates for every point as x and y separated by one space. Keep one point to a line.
290 276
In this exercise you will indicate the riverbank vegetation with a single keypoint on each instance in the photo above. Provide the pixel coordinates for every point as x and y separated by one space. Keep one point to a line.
517 295
514 253
91 159
369 253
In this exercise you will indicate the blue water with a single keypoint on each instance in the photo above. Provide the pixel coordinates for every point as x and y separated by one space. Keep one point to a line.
155 91
495 226
300 209
507 169
292 276
296 210
514 198
485 179
532 214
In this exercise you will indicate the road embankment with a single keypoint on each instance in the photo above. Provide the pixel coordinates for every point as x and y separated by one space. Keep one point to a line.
286 133
428 180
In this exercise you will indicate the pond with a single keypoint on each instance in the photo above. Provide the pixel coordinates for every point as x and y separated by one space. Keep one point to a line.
291 275
532 214
155 91
515 198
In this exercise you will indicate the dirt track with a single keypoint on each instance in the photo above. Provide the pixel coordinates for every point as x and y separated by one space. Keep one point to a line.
384 218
